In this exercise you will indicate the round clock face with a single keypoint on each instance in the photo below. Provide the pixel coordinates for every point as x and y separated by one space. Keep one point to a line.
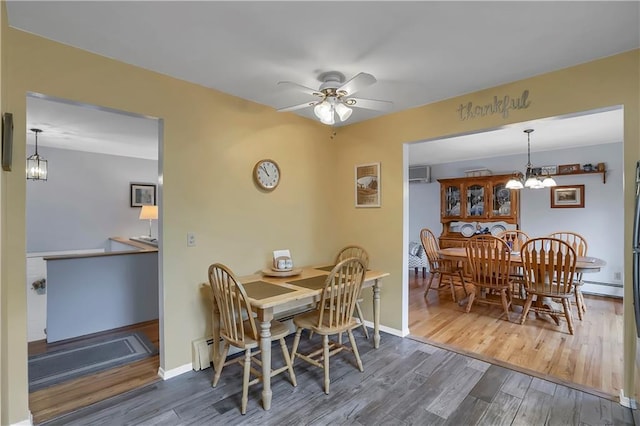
267 174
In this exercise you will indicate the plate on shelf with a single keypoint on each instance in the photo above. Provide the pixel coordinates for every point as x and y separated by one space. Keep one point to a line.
467 230
289 273
496 229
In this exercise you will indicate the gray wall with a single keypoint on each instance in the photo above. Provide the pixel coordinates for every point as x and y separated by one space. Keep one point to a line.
91 294
600 222
85 200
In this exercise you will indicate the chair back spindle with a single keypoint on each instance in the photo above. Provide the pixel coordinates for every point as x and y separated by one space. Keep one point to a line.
233 305
341 291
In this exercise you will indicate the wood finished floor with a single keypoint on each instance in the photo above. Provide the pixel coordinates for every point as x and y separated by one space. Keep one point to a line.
72 395
591 358
587 363
405 382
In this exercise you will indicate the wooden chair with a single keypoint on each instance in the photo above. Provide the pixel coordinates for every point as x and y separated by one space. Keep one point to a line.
238 328
333 315
439 266
515 239
549 266
579 244
360 253
489 258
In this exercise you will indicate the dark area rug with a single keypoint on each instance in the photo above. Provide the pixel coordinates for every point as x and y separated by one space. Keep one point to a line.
87 357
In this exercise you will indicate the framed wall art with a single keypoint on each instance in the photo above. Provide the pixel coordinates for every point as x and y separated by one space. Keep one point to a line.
143 194
367 185
565 169
567 196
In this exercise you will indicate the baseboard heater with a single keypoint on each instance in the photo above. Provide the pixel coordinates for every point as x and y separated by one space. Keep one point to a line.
202 353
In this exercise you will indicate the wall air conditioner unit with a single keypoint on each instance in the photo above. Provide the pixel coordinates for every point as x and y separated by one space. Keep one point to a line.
420 174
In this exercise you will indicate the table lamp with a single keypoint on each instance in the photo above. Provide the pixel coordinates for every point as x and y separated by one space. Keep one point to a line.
151 213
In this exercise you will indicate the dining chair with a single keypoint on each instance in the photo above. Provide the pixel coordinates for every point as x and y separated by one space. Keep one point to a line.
579 244
360 253
238 329
438 266
515 239
333 316
489 258
549 267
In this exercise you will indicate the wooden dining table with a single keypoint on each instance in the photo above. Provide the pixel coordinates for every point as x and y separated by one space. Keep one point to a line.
273 296
583 263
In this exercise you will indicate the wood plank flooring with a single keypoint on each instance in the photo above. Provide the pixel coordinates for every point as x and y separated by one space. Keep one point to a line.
591 358
405 382
69 396
441 387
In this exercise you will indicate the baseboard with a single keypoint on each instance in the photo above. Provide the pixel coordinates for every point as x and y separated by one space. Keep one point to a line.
625 401
169 374
27 422
389 330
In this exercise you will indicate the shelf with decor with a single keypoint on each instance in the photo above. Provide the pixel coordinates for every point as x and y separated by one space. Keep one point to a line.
584 172
477 201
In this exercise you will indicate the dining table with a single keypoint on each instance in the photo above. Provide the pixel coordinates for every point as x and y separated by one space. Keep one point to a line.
272 295
583 263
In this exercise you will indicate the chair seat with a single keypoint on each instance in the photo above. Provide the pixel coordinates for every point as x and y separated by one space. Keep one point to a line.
309 321
278 331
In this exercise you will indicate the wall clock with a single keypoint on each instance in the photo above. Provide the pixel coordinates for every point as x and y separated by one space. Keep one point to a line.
266 173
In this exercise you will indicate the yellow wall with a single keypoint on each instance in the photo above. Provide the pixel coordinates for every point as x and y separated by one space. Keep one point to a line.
4 348
212 141
602 83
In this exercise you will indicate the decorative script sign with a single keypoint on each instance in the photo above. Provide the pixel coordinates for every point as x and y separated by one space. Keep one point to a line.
498 106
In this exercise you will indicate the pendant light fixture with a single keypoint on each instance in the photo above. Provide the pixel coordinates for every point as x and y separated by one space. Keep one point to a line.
36 165
531 180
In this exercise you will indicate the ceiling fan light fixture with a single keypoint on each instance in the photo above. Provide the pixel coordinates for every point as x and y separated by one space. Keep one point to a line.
343 111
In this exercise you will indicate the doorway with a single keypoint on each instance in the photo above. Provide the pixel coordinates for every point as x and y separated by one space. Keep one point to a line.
583 138
94 155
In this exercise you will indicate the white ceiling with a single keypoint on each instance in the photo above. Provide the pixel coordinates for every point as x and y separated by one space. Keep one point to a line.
420 52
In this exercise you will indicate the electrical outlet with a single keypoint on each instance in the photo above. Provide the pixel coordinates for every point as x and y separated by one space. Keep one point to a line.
617 276
191 239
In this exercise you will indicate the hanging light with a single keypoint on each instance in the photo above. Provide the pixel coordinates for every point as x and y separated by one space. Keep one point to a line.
530 179
36 165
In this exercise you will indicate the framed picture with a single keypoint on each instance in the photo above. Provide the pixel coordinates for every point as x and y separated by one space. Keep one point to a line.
367 185
567 196
549 170
143 194
565 169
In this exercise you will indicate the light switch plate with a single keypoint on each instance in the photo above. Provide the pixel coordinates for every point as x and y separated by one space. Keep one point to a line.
191 239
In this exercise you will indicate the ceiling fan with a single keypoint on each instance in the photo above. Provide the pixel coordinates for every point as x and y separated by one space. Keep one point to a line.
335 96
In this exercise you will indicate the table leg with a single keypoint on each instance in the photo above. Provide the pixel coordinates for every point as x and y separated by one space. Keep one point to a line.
376 314
265 316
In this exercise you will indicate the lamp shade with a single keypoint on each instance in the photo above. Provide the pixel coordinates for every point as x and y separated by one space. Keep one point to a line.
344 112
148 212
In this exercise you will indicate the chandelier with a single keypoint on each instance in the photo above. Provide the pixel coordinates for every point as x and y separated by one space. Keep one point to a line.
36 165
530 179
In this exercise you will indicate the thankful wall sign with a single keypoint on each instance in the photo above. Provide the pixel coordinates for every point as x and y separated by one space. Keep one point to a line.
500 105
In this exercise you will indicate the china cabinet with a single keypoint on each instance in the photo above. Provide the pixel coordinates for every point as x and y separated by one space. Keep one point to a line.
479 199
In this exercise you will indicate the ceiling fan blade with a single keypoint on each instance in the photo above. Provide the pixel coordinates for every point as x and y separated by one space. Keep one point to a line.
358 82
304 89
296 107
369 104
